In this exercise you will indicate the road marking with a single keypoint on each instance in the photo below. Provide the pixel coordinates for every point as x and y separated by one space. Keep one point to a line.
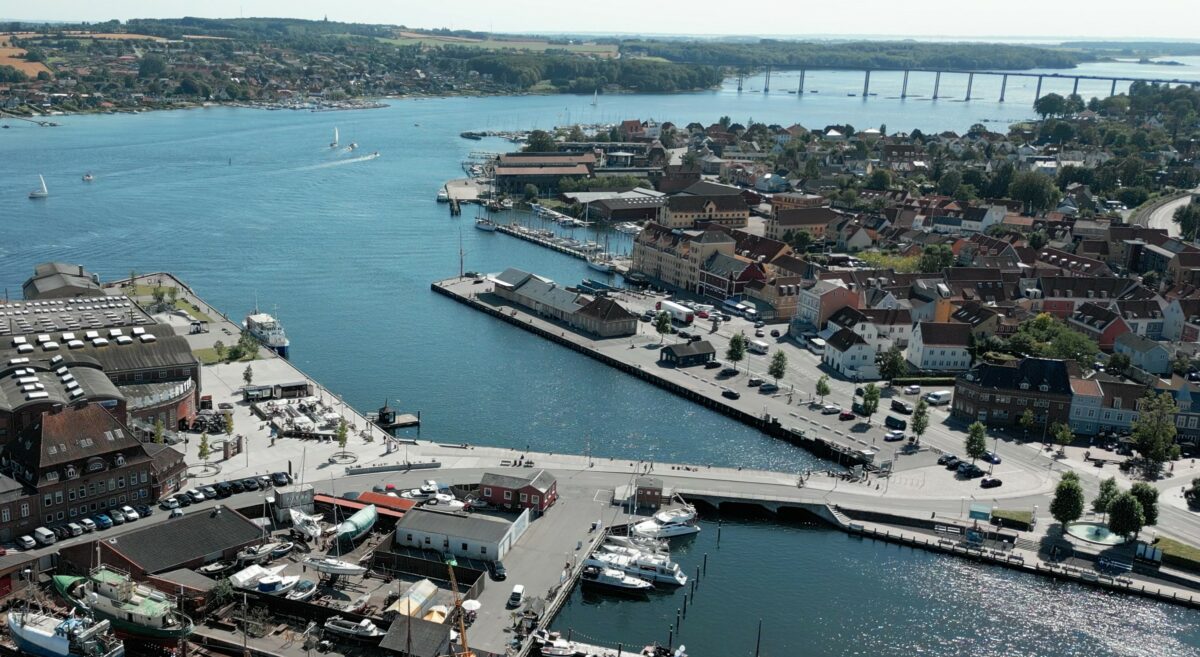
608 497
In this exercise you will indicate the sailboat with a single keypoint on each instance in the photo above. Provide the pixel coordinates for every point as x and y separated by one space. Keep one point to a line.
602 262
41 192
334 143
595 97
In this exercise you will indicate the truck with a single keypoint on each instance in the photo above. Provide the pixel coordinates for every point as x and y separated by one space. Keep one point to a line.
681 314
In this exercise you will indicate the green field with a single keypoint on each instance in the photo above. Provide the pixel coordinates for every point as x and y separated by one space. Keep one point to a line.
532 45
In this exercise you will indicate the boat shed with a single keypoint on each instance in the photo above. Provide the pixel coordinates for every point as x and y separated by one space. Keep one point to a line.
515 491
468 536
688 354
415 637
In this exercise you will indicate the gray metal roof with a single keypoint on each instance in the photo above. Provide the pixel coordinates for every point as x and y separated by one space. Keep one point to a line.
416 637
170 544
188 578
550 294
473 527
541 481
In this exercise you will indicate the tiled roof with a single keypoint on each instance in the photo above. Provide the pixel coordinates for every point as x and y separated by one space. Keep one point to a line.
1033 372
844 339
944 334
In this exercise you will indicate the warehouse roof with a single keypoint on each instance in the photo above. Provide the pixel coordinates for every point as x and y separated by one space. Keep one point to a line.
471 527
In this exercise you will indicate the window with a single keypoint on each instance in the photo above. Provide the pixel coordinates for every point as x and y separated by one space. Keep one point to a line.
5 515
73 512
535 500
145 476
24 509
524 498
464 547
71 495
49 517
58 499
409 539
508 494
487 492
427 541
121 481
482 549
47 500
60 515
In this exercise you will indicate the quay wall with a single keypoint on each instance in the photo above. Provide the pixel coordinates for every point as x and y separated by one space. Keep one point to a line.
768 425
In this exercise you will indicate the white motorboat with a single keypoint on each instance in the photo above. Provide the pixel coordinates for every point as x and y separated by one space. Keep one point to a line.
641 543
248 578
430 487
506 204
267 330
257 553
669 524
551 644
308 526
87 177
352 146
44 634
40 192
443 196
334 143
277 584
629 228
653 567
363 629
303 590
611 578
216 568
446 505
628 551
357 605
331 566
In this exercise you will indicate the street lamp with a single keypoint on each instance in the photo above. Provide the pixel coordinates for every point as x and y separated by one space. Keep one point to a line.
962 504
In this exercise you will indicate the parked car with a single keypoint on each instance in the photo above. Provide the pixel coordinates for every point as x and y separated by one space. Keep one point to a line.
516 597
990 482
175 513
129 512
684 335
768 388
236 486
945 458
731 394
281 478
712 364
754 381
183 499
894 422
88 524
830 409
727 372
952 463
774 333
62 532
168 503
893 436
144 510
223 489
969 470
902 406
102 520
210 493
847 415
26 542
912 390
499 573
991 457
759 324
196 495
250 484
759 333
116 517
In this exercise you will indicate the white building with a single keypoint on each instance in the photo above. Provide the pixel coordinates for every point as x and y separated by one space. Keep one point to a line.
475 536
940 347
851 356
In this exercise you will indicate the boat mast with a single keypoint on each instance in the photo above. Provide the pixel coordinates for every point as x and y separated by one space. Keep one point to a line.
461 254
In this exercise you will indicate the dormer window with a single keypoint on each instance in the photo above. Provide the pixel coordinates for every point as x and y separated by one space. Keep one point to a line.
119 460
1044 388
71 472
1024 386
52 475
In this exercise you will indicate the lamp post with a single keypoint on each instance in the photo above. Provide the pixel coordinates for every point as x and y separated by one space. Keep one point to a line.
962 504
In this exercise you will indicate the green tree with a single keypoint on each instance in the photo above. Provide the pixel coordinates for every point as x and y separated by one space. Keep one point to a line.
219 348
203 451
1109 490
1062 434
342 434
920 420
151 66
1037 239
576 134
248 375
1050 105
975 443
1117 363
870 402
1028 421
1036 191
1125 515
540 141
1188 218
531 192
823 387
1073 345
949 182
1154 430
1147 496
1067 505
880 179
662 324
892 364
778 366
935 258
737 349
159 296
172 294
158 431
798 239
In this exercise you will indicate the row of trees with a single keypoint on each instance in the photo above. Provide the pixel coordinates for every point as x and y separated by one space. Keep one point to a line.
577 74
1127 511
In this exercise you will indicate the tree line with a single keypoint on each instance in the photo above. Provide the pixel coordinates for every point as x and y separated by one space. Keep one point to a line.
582 75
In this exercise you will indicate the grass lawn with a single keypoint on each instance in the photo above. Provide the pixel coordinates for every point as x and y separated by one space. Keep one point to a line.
1174 548
1024 517
208 356
187 307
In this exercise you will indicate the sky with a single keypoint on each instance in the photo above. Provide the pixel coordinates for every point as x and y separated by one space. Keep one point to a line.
1039 20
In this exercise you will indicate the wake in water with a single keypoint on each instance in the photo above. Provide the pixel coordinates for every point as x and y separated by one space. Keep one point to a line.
338 163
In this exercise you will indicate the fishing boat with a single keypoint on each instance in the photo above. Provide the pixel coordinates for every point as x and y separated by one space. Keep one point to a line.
44 634
334 143
308 526
216 568
283 550
614 580
358 524
267 330
331 566
87 177
653 567
669 524
506 204
256 553
485 224
133 609
40 192
304 590
363 629
443 196
277 584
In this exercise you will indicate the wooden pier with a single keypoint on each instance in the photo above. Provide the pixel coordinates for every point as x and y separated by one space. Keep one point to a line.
541 241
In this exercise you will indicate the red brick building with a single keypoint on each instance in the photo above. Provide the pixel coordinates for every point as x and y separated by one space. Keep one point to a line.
514 491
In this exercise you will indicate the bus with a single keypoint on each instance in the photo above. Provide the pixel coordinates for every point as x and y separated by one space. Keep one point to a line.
816 345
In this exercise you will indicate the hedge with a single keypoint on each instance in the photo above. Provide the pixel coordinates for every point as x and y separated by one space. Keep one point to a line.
1179 555
926 380
1014 519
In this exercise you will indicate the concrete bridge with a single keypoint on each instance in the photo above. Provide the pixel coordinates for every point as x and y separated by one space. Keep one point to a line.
937 82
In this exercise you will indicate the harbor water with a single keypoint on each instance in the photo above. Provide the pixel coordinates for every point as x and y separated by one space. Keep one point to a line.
342 248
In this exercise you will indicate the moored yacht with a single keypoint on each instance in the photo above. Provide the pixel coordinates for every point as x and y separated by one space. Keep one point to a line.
669 524
485 224
614 580
653 567
267 330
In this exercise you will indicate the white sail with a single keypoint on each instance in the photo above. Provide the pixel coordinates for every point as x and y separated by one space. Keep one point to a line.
334 143
44 190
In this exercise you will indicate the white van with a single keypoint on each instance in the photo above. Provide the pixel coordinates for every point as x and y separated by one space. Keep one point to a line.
76 530
938 397
517 596
816 345
758 347
44 536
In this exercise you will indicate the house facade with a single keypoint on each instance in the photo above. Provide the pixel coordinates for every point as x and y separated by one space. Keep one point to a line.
998 395
536 492
940 347
848 354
